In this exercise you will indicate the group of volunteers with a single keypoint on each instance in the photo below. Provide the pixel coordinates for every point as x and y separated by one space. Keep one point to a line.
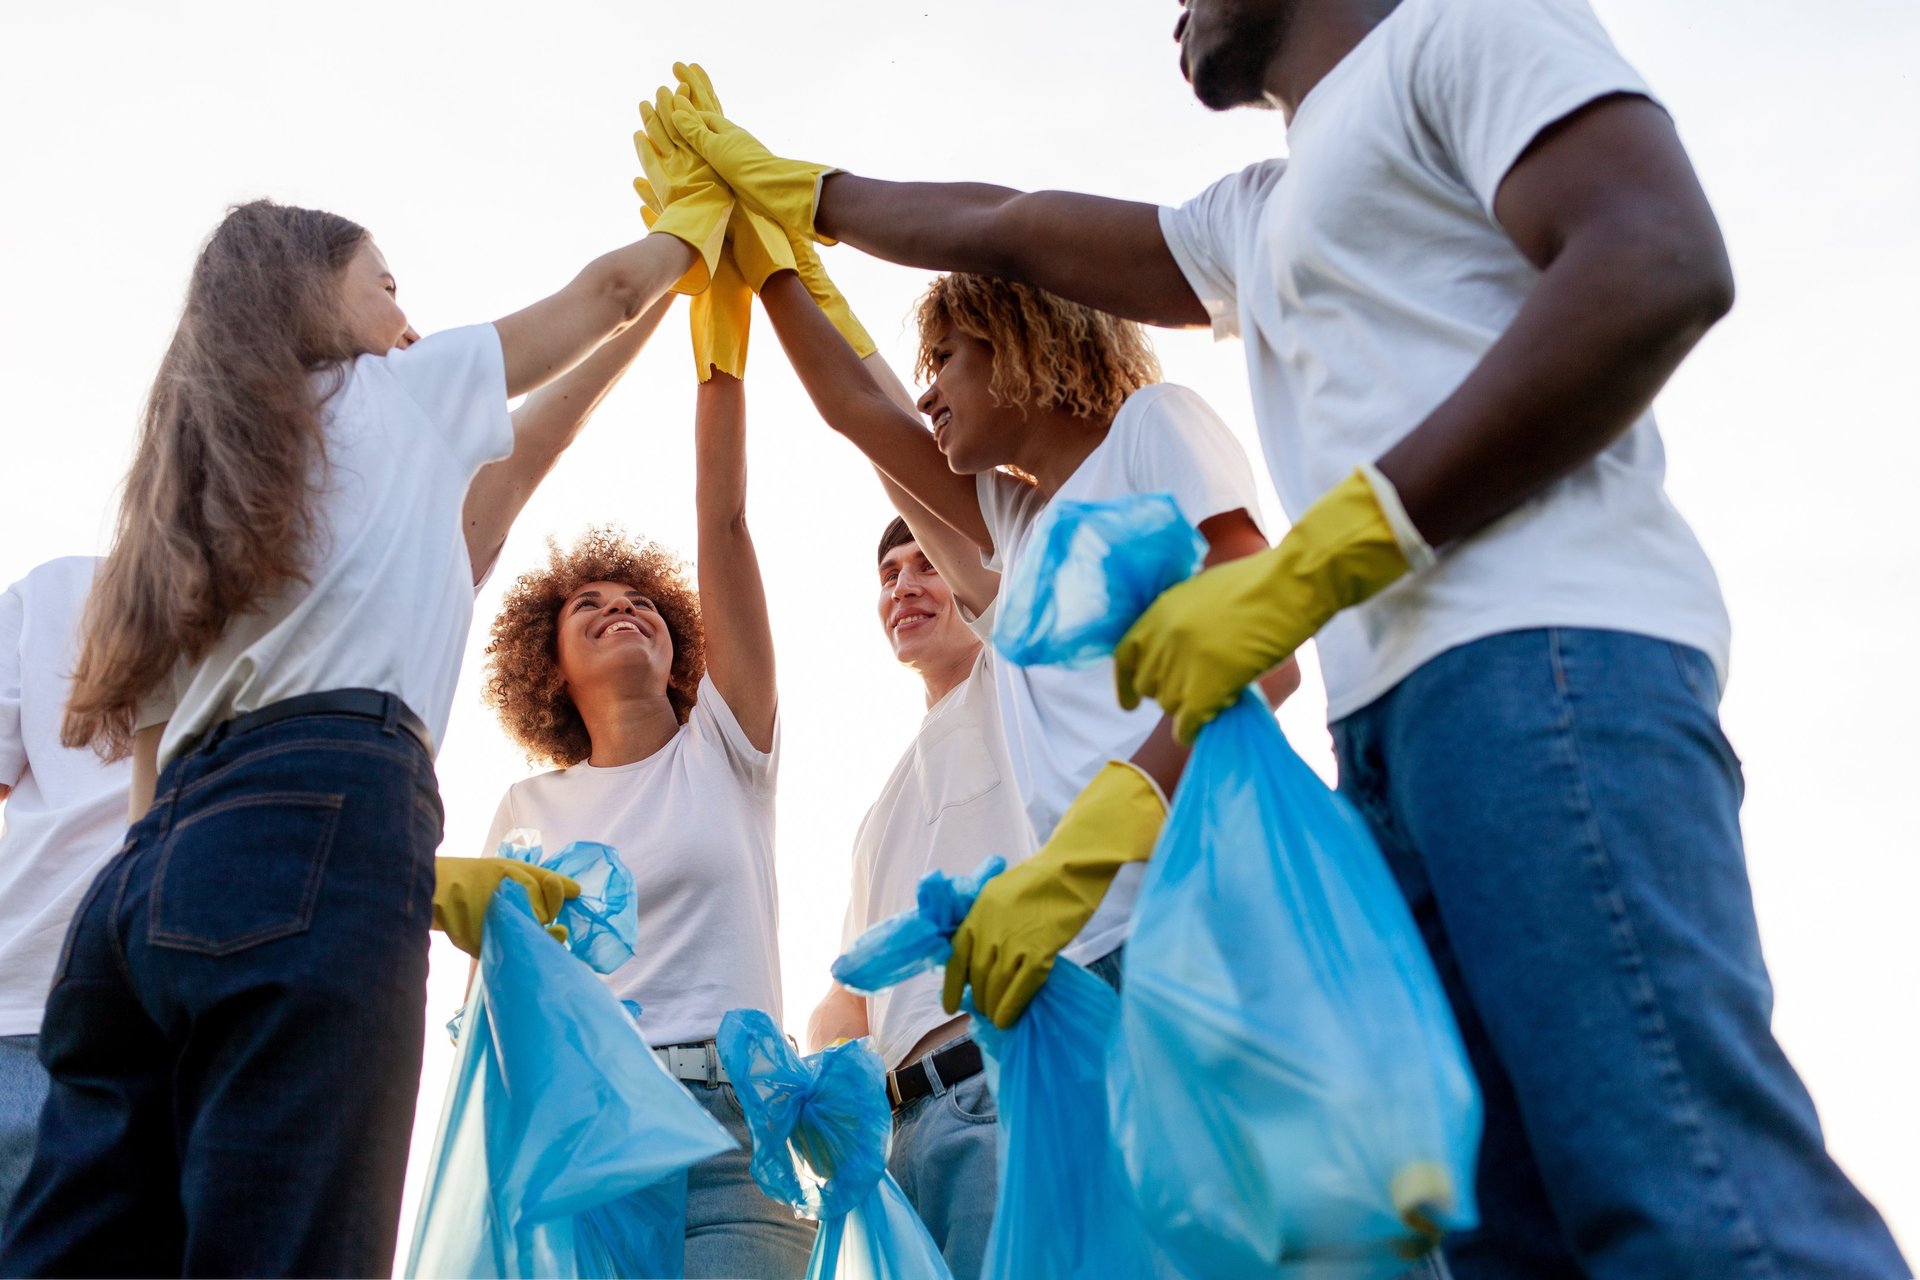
1484 254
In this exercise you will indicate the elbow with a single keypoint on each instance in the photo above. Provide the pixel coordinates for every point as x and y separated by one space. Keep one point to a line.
1688 279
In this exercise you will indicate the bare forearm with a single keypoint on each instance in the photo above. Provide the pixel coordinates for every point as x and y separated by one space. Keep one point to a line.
842 1015
733 596
543 341
1585 356
1105 253
859 407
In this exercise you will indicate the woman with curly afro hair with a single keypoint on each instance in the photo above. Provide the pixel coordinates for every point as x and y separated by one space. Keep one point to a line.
653 699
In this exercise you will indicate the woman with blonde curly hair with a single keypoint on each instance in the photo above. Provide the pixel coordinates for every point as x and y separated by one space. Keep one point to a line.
655 702
1032 399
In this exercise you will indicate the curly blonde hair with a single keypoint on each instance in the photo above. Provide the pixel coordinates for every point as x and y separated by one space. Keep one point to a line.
523 680
1048 353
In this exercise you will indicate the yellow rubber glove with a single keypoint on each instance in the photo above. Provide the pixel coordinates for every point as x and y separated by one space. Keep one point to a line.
1005 947
719 317
787 191
759 245
1208 638
827 296
463 887
694 204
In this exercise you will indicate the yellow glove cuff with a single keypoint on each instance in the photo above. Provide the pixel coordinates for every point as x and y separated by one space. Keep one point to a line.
719 318
1115 818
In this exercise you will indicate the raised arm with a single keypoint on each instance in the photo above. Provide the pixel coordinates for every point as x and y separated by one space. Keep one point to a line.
733 599
856 405
543 427
954 554
543 341
1106 253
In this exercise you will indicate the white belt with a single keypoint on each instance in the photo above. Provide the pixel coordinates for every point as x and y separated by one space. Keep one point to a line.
699 1062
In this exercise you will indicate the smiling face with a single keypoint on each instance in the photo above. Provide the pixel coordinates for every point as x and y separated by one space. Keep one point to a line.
918 614
973 432
1226 47
610 633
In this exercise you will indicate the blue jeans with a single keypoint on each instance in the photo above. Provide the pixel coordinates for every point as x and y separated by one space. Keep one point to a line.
1562 812
23 1091
234 1029
733 1227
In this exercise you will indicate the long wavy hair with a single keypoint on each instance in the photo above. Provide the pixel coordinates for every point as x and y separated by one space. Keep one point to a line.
217 513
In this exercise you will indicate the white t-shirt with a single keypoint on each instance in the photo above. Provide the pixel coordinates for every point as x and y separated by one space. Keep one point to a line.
389 595
1368 277
949 805
67 813
1063 723
694 823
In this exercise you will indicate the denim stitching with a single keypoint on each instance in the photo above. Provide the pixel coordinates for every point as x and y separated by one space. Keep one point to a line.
1651 1021
303 918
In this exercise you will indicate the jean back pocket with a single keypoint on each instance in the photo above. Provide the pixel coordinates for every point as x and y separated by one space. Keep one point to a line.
243 871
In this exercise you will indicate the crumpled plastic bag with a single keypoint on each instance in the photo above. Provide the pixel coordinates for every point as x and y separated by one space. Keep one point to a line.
821 1128
1063 1208
1288 1087
603 923
564 1144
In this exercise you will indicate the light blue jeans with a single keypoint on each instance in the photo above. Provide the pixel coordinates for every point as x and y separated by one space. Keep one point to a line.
23 1090
733 1228
1561 811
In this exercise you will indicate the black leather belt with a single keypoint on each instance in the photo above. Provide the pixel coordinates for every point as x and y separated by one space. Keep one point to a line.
945 1067
362 704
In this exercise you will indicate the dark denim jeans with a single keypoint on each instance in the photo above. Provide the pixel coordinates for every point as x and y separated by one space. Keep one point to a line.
1562 812
234 1031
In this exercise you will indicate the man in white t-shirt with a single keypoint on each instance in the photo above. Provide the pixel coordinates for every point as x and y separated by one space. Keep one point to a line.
64 814
950 802
1484 256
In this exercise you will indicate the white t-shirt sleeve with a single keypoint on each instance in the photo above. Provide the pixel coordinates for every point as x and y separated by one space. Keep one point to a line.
1177 444
1490 75
1008 505
13 746
458 377
502 823
1207 234
713 722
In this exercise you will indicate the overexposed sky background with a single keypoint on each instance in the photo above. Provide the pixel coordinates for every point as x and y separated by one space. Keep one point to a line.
486 145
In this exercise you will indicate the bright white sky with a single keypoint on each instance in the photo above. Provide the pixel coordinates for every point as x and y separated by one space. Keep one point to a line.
487 148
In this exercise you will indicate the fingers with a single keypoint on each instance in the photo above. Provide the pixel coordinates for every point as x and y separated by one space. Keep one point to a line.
1125 658
664 107
559 933
957 965
1022 986
698 84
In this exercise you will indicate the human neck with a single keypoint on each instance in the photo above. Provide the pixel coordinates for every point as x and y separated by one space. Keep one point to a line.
625 728
1057 443
1322 32
943 678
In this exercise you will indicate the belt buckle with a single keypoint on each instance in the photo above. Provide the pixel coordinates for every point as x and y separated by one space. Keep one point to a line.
893 1090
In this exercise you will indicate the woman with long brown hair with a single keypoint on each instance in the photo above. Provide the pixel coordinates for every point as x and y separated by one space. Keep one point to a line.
234 1029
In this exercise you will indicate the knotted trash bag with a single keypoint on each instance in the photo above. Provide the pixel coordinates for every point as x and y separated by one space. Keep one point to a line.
821 1127
1063 1207
603 923
564 1145
1288 1088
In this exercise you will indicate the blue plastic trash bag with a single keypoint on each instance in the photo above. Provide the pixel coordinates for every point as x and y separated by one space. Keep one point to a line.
821 1127
1288 1087
603 923
1063 1207
564 1145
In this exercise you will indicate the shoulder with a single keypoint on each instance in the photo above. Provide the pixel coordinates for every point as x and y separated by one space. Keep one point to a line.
1162 409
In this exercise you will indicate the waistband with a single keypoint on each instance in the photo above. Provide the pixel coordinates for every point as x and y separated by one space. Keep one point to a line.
361 704
934 1073
698 1062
